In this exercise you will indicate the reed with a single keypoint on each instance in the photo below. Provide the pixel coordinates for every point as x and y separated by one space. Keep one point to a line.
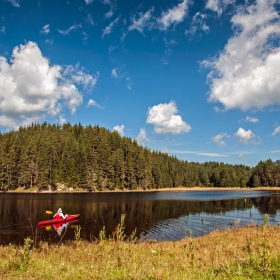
238 253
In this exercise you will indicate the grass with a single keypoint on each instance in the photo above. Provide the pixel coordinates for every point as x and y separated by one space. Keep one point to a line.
239 253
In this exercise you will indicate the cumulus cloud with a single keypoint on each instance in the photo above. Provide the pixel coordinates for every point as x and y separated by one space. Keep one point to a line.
107 30
71 28
46 29
174 15
3 30
165 119
119 129
142 137
141 21
246 137
31 87
246 73
253 120
93 103
276 130
218 139
218 6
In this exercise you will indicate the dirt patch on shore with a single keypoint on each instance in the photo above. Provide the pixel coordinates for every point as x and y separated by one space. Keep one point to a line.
177 189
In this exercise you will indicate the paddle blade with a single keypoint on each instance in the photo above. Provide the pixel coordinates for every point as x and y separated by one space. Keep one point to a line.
49 212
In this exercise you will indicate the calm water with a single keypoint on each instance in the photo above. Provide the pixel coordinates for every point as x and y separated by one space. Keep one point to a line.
155 215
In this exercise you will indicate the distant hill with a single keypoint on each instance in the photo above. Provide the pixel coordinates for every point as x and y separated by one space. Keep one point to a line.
94 158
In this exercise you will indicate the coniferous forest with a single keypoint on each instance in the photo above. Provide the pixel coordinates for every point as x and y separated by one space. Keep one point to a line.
94 158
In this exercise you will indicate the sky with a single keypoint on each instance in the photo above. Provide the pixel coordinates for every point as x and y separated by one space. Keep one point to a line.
197 79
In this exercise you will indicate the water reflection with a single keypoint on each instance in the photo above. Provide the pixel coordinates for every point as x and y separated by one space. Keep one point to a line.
155 215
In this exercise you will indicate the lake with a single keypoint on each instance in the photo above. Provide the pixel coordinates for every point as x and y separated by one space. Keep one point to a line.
159 216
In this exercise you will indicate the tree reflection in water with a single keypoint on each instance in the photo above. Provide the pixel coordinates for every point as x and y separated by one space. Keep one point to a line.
160 216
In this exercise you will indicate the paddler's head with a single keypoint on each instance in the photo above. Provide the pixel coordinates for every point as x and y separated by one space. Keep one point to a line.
59 210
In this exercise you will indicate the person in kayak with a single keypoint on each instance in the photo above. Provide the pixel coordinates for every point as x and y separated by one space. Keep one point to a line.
59 214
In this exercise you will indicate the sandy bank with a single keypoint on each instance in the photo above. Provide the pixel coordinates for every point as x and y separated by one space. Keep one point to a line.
177 189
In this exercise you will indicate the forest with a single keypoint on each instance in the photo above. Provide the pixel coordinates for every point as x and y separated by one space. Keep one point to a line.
43 156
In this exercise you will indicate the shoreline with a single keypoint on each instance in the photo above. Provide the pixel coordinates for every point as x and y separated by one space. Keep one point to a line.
176 189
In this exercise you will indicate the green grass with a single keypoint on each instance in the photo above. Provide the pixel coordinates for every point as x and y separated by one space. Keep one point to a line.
240 253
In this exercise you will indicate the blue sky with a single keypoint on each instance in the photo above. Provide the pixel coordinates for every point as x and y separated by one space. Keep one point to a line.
196 79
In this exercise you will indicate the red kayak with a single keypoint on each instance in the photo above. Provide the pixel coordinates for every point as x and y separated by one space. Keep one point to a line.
70 218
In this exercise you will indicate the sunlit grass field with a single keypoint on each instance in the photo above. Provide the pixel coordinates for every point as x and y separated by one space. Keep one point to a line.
252 252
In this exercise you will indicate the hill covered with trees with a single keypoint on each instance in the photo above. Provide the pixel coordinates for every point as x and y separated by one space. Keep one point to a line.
95 158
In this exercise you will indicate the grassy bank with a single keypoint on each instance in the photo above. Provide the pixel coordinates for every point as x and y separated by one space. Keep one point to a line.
240 253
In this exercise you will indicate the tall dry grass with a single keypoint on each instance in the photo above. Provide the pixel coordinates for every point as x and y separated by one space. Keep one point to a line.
240 253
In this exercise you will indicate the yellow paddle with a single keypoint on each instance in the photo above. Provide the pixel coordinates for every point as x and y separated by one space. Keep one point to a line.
48 227
50 212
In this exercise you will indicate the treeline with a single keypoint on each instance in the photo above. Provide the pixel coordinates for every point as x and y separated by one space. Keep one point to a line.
94 158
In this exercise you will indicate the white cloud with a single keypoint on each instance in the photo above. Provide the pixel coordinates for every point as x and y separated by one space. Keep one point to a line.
89 20
71 28
112 6
246 73
49 41
129 85
120 73
109 28
3 30
62 119
218 139
241 155
112 48
142 137
14 3
31 87
214 5
80 77
276 130
275 152
114 73
198 23
88 1
140 22
218 6
46 29
198 153
246 137
119 129
253 120
174 15
85 39
211 155
165 119
92 102
109 13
